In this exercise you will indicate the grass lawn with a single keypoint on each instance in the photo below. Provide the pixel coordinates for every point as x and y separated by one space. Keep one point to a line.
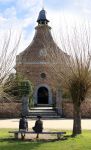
81 142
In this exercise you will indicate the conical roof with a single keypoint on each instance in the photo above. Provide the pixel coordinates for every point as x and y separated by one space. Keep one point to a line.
42 45
42 17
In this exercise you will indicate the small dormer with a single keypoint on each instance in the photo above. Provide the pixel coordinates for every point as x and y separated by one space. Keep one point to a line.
42 18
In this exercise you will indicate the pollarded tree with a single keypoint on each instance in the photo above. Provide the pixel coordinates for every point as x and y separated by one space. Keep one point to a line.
73 68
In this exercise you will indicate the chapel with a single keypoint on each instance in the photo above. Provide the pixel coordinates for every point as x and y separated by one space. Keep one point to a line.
34 64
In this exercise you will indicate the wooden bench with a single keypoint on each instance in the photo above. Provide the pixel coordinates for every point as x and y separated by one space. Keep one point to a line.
16 133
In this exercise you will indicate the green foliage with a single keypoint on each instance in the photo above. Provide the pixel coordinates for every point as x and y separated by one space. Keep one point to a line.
31 101
11 86
25 88
66 94
16 86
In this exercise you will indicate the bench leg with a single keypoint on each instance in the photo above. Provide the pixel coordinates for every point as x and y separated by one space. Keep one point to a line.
37 136
58 136
16 135
22 136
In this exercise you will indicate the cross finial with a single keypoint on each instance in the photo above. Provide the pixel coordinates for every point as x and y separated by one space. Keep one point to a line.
42 4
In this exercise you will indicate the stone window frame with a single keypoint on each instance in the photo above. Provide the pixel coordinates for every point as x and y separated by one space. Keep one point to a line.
43 75
43 52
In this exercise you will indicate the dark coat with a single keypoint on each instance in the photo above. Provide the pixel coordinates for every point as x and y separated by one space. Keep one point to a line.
23 124
38 126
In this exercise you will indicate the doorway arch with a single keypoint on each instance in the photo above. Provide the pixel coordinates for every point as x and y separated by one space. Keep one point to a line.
36 94
42 95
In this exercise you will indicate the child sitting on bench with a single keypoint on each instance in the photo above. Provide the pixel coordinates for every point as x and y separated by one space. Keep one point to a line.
38 128
23 126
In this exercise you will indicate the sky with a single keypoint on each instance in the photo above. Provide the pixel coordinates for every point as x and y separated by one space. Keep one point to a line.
20 16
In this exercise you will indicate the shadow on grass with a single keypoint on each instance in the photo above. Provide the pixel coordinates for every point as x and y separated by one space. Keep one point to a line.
13 144
12 140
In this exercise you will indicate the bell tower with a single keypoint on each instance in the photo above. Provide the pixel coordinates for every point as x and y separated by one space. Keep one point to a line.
42 18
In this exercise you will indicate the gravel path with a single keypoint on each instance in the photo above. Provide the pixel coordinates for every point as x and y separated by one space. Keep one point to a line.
47 124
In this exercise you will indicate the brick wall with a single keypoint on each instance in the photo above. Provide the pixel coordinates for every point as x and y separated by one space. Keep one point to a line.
68 109
10 110
33 73
13 109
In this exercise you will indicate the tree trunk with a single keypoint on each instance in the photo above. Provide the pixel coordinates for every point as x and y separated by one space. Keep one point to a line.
25 105
77 120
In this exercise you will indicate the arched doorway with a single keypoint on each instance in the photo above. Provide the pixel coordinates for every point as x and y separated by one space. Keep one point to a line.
42 95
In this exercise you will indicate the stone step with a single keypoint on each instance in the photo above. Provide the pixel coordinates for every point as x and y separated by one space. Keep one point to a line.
44 105
45 112
42 114
41 110
45 117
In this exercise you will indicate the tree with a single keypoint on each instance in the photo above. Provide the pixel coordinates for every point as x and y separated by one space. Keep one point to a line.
8 50
12 85
25 88
73 68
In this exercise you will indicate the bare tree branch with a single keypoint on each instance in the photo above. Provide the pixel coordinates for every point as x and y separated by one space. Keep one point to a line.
8 51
